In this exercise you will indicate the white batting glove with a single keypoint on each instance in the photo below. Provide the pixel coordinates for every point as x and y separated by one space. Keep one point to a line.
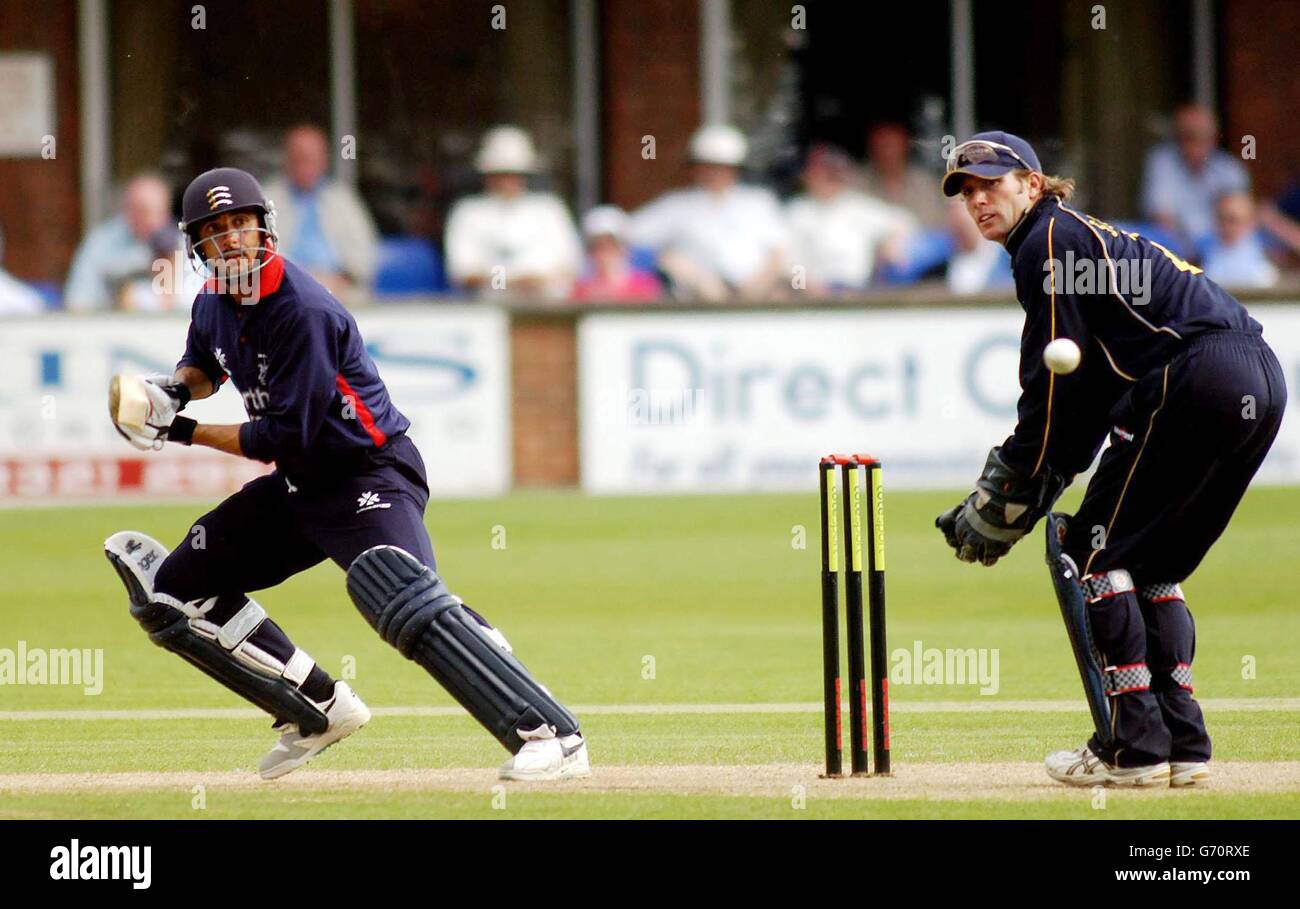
142 410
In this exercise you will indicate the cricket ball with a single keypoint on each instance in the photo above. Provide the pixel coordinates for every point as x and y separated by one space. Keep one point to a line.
1062 356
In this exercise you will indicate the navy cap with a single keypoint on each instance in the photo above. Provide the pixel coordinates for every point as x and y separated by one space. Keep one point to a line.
988 155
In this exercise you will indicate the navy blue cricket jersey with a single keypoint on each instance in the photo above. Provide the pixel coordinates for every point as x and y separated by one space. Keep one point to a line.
1137 309
314 399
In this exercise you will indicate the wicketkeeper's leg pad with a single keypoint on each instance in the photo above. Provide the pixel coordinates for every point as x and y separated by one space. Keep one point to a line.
223 651
1171 648
1074 610
412 609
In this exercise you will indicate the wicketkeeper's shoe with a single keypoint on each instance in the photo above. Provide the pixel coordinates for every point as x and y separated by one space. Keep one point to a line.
346 714
1081 767
1147 776
1188 773
546 757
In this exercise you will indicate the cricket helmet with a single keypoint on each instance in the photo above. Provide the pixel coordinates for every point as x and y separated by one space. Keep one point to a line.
216 192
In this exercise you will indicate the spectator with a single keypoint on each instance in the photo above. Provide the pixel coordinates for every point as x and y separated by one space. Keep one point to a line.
323 224
1235 255
719 238
1183 179
610 274
16 298
839 233
509 239
1281 220
889 176
976 265
114 265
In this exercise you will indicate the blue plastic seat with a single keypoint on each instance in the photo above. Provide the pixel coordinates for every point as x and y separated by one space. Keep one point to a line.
408 265
51 293
927 250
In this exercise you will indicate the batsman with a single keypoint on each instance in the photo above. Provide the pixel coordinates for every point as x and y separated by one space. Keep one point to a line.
1179 377
348 486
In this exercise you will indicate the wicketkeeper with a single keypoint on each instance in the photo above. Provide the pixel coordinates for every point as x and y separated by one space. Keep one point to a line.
349 486
1177 373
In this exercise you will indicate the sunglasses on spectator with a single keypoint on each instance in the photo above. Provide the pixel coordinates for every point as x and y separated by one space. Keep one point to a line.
981 151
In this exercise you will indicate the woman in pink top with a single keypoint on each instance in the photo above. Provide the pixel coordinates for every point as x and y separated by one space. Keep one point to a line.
610 276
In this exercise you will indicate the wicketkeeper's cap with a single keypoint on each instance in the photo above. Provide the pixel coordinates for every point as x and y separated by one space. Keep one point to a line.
988 155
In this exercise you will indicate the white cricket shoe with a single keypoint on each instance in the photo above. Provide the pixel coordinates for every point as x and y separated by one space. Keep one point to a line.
346 714
545 757
1081 767
1188 773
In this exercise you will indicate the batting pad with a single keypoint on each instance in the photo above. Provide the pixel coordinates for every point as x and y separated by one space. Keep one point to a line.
135 557
412 609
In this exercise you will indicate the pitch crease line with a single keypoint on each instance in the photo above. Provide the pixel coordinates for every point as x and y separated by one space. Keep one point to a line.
981 706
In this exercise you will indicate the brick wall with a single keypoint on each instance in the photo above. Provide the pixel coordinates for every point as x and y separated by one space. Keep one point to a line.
1261 91
544 399
650 51
40 202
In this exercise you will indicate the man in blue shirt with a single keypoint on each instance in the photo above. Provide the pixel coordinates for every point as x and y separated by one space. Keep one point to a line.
324 225
1234 254
122 254
1184 178
349 485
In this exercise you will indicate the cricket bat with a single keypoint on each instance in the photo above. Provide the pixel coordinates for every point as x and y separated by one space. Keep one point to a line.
128 404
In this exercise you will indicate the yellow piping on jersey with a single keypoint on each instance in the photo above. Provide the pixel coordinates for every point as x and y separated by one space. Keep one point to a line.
1114 281
1051 376
1164 390
1113 365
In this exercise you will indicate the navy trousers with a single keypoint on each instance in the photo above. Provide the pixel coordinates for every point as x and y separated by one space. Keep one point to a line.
273 529
1187 439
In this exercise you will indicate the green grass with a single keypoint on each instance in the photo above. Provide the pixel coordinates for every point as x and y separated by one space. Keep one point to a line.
333 804
637 601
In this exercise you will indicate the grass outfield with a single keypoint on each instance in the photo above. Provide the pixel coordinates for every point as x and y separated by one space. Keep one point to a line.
690 629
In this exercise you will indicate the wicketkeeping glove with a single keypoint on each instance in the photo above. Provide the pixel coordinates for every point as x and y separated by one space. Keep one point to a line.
1003 508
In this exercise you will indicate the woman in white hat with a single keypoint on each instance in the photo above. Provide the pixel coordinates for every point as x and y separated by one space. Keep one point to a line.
611 277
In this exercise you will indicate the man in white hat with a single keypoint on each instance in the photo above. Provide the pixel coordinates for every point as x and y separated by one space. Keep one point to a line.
508 240
840 234
720 238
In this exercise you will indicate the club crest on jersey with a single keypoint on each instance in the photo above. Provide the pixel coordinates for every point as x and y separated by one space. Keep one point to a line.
219 196
369 501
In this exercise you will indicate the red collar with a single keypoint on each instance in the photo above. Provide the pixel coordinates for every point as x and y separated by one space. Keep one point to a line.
269 277
272 274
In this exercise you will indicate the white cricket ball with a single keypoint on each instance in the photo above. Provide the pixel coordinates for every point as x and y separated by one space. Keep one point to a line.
1062 356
